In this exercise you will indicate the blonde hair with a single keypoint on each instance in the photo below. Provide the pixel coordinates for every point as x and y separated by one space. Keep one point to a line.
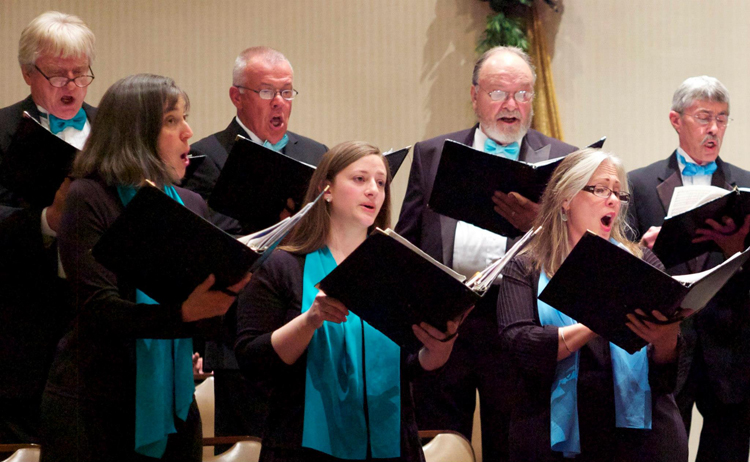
551 246
55 34
312 232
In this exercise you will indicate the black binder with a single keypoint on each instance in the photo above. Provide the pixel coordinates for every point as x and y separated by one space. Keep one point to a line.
36 163
598 144
674 243
599 283
467 179
392 287
166 250
256 182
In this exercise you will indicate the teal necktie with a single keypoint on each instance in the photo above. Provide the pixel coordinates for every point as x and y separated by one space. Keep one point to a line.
278 146
56 125
692 169
510 151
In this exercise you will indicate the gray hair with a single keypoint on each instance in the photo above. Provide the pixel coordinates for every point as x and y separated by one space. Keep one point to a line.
56 34
268 54
701 87
551 246
500 49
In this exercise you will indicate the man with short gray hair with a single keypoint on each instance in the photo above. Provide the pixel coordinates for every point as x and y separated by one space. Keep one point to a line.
262 91
501 94
714 366
55 54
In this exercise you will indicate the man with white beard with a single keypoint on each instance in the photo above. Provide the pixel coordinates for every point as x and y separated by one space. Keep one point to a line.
502 91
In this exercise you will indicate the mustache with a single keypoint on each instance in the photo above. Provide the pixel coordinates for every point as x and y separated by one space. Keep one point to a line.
516 114
712 138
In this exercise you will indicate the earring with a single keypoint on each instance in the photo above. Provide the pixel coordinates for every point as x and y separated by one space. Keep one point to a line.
563 216
329 199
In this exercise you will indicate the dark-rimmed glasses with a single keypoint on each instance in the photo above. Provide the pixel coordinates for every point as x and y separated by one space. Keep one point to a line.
59 81
602 191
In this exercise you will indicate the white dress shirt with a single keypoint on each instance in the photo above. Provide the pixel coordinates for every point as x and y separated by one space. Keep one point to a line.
475 248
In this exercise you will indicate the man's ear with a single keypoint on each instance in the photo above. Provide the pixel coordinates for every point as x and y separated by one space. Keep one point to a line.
235 96
26 72
676 120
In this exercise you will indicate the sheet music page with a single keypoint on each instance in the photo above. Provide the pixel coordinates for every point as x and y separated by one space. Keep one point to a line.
687 198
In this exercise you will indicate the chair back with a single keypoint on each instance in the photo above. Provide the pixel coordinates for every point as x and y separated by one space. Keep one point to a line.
204 397
242 451
448 447
25 455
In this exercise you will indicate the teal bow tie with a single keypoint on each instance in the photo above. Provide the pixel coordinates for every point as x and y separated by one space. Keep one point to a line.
278 146
56 125
695 169
510 151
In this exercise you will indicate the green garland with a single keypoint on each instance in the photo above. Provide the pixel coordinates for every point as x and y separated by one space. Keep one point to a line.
508 25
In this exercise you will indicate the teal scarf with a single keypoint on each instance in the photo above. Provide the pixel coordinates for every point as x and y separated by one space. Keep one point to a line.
339 370
164 375
632 390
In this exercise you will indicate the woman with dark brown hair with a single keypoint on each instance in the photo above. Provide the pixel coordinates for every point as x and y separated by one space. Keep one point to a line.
339 389
121 386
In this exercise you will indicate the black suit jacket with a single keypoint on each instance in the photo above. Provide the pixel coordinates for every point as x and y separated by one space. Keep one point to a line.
723 328
34 309
216 148
432 232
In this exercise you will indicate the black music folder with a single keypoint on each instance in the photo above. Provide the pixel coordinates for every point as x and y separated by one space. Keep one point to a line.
256 182
467 179
599 283
674 243
166 250
392 284
36 163
598 144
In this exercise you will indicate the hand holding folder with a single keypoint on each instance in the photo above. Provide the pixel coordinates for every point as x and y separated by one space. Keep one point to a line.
166 250
599 284
690 209
392 284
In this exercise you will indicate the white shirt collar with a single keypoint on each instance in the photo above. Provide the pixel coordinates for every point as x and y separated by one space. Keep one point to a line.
249 132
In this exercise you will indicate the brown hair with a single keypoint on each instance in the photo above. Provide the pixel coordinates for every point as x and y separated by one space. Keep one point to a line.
122 148
312 232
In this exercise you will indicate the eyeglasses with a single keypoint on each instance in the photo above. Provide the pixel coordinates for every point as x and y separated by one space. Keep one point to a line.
59 81
271 94
705 118
521 96
603 191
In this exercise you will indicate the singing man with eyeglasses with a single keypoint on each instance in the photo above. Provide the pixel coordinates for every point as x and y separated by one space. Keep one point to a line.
714 369
502 90
262 91
55 52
